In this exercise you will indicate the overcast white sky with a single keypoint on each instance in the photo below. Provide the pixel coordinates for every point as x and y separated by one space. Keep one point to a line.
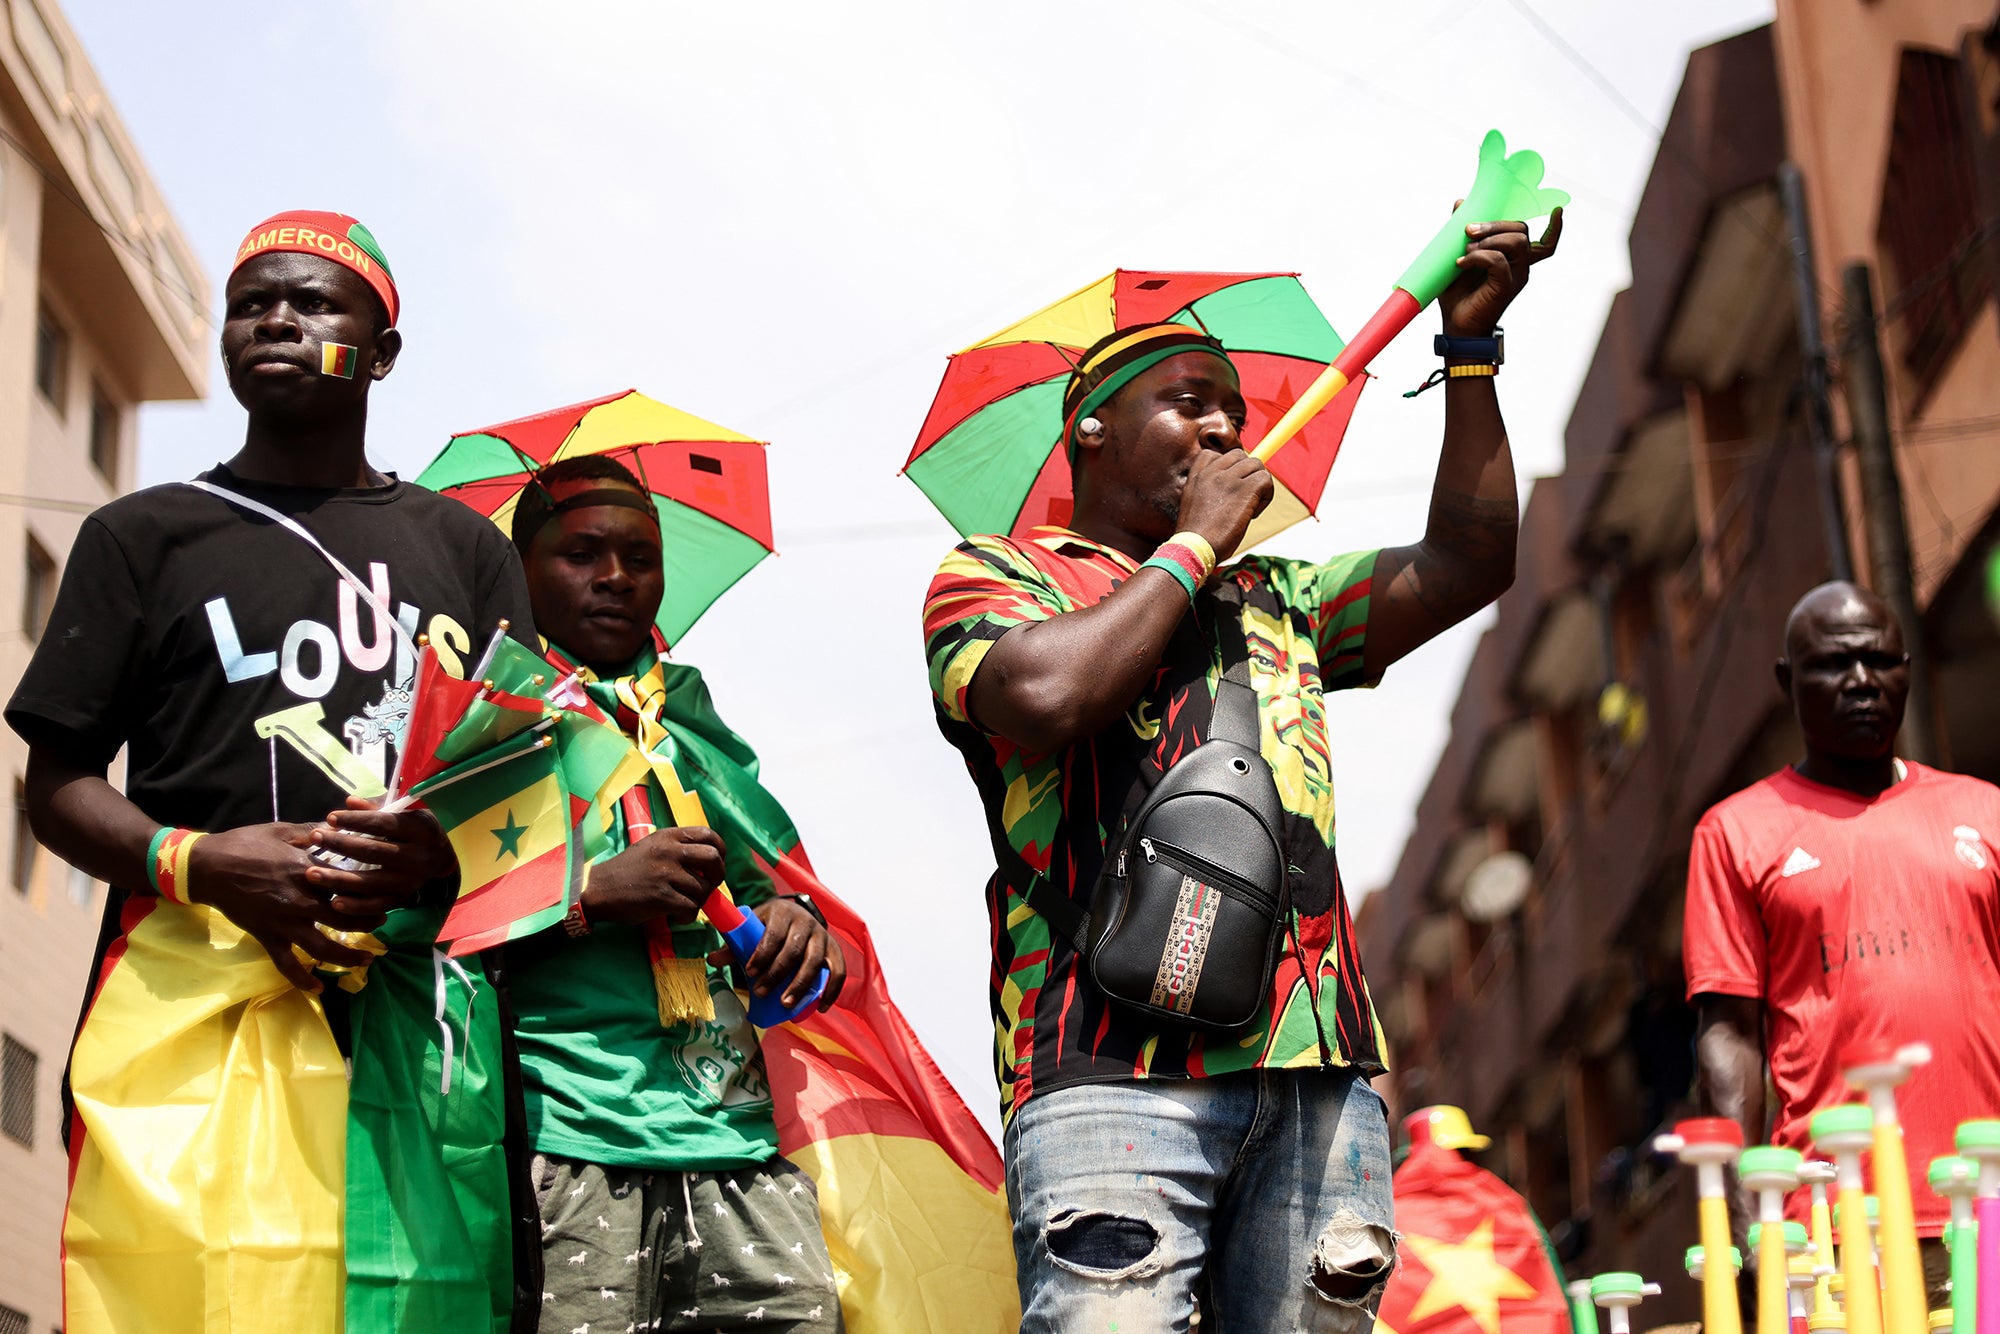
783 217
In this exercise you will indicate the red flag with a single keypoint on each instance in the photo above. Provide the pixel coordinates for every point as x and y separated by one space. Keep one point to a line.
1473 1258
437 702
911 1190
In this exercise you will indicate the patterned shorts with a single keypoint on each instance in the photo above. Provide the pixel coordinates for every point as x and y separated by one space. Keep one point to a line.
627 1251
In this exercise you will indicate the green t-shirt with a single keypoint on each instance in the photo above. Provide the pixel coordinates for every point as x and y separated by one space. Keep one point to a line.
605 1083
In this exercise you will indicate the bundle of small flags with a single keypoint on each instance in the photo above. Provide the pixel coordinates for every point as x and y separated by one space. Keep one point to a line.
523 787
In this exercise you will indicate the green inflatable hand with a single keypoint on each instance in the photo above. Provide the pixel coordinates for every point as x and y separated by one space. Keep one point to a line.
1507 188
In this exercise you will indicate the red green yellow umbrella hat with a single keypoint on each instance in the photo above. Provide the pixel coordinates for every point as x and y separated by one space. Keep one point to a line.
709 485
990 456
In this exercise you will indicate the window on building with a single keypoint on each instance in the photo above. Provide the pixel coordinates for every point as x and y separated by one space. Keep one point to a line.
12 1321
25 848
104 433
19 1068
1934 280
38 593
51 358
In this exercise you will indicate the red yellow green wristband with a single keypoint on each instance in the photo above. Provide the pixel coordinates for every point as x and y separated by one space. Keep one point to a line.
1187 557
167 862
1196 546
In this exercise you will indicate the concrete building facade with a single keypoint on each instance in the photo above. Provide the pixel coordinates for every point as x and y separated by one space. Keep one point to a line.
1526 953
102 307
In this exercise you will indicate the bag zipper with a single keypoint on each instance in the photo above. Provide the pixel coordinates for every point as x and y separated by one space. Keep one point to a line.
1182 860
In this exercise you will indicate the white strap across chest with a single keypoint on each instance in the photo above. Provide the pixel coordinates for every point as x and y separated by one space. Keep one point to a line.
299 530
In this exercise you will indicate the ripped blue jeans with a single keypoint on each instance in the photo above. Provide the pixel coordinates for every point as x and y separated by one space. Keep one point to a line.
1263 1196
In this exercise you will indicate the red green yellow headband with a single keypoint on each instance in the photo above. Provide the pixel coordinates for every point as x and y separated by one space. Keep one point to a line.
1115 360
333 236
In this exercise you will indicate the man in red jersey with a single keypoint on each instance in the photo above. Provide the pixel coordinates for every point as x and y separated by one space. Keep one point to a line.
1849 897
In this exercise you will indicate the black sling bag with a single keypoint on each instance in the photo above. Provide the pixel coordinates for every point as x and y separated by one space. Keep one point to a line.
1189 910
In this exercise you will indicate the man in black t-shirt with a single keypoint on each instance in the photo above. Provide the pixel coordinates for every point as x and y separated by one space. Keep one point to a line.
249 641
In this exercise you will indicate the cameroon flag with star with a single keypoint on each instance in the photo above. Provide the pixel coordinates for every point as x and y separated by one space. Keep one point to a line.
1474 1260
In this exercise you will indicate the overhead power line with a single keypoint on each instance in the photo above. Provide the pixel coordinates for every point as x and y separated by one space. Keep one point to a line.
174 283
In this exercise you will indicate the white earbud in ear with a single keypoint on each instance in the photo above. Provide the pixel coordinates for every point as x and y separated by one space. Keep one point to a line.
1090 426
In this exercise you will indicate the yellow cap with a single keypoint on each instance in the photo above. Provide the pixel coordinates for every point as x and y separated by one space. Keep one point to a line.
1941 1319
1830 1320
1443 1125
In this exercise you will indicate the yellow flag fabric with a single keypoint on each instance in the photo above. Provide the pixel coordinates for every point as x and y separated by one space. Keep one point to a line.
916 1243
209 1156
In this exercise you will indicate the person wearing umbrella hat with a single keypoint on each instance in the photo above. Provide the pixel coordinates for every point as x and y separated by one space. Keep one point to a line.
248 640
1146 1160
665 1203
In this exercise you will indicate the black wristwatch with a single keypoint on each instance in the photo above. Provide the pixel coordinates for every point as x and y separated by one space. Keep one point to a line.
805 901
1492 350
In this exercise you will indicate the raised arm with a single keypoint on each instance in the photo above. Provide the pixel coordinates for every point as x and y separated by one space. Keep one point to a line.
1466 556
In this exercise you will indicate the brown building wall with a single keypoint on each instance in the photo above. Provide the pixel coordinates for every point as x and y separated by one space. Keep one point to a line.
131 325
1839 65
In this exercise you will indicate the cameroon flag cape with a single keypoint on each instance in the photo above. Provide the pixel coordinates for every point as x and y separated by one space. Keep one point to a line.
230 1173
911 1189
1473 1258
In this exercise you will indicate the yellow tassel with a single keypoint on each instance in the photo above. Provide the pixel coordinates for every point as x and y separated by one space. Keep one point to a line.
682 985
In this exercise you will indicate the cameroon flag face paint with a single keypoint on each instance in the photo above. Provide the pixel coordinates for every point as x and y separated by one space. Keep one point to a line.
337 359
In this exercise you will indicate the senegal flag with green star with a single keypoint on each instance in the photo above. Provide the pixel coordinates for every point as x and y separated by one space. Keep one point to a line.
508 816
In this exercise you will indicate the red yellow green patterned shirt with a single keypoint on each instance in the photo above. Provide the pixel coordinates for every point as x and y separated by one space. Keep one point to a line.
1306 624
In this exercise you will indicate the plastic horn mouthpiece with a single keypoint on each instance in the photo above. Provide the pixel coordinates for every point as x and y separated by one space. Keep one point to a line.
744 932
1708 1144
1618 1293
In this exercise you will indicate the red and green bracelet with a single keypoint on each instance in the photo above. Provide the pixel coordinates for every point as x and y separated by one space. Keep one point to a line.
167 862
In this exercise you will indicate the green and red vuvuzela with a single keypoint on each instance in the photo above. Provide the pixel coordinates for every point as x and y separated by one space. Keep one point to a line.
1508 186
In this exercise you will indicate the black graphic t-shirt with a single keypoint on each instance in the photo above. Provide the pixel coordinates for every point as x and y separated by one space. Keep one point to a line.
236 663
